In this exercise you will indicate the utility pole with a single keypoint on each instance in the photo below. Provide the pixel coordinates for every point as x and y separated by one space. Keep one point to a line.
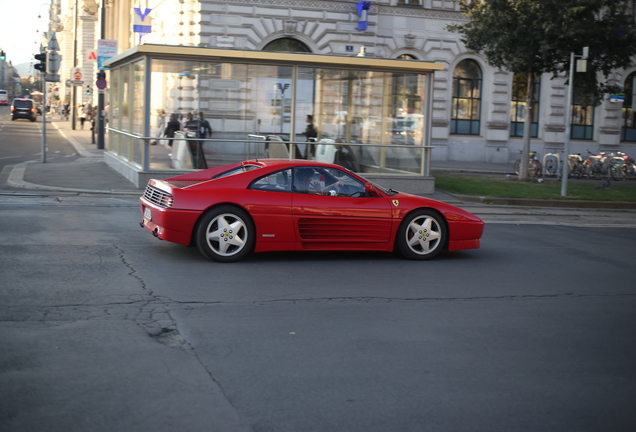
74 89
101 75
581 67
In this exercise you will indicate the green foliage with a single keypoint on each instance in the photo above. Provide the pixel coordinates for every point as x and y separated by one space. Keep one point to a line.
537 36
501 187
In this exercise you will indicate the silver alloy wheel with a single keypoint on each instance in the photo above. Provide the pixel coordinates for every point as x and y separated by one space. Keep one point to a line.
226 234
423 234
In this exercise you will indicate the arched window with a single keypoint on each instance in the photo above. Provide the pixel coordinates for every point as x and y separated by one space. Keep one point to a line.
286 44
406 57
518 106
466 104
628 131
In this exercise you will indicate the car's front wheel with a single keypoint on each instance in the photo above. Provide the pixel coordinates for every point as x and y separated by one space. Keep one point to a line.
225 234
422 235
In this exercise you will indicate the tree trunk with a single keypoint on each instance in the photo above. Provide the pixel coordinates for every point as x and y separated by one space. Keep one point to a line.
527 128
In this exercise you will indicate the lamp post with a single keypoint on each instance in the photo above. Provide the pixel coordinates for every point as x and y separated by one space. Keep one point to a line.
74 88
101 75
581 66
53 60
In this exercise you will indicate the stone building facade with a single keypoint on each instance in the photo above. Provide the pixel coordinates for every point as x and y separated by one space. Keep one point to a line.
477 109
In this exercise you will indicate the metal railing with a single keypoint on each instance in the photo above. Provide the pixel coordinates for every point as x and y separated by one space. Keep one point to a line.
186 153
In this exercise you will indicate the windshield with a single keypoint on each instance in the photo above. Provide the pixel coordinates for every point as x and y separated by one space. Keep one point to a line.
22 103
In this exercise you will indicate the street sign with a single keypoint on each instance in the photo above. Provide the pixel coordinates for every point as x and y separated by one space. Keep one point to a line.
78 83
101 83
106 49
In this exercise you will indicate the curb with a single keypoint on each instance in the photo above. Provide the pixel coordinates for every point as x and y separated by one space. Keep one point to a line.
16 179
79 148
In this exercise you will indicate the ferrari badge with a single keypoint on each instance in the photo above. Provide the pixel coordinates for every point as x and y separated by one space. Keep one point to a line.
396 203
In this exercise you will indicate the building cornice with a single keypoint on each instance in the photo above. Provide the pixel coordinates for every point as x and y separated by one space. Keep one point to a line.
349 7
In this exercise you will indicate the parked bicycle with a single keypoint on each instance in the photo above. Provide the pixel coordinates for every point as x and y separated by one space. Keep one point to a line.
552 164
605 166
534 166
615 166
628 168
620 166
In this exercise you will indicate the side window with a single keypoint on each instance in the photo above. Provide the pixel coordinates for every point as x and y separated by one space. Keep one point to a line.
279 181
327 181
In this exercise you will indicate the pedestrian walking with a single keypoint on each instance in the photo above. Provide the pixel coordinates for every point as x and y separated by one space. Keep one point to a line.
161 125
82 111
205 131
172 126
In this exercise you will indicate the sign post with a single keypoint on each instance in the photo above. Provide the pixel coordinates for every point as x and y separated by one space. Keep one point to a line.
106 49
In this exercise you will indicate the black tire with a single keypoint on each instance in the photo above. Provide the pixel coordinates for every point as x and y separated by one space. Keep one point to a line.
616 171
422 235
225 234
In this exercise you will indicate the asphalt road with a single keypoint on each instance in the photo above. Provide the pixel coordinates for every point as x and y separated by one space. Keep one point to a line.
105 328
21 141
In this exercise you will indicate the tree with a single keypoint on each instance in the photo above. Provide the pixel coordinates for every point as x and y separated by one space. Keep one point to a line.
532 37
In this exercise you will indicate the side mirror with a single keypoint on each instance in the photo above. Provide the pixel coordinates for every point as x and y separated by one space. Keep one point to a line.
369 189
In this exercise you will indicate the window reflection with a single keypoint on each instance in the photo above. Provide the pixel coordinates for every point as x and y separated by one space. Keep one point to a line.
257 110
466 102
628 131
518 106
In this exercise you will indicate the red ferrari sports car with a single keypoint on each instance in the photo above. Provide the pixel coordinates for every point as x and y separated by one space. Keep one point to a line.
282 205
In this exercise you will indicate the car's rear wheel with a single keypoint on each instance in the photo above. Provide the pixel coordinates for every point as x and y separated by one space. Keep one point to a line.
422 235
225 234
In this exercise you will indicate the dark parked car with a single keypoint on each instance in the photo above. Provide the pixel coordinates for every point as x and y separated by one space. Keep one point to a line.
23 108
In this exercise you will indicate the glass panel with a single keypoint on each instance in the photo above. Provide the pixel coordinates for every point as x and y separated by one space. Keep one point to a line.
237 111
234 100
112 141
466 104
518 105
276 182
138 100
467 69
122 113
287 45
326 181
629 117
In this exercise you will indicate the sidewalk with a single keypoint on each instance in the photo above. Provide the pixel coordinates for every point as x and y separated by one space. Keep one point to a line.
90 174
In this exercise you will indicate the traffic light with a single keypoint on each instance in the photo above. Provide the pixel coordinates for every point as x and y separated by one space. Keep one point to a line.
88 90
42 65
3 56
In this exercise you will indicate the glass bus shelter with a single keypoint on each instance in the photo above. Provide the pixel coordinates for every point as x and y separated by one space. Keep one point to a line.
371 115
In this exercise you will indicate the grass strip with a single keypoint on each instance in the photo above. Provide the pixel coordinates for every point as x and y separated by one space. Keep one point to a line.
501 187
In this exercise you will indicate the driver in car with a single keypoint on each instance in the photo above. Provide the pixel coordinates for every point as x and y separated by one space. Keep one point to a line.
303 182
